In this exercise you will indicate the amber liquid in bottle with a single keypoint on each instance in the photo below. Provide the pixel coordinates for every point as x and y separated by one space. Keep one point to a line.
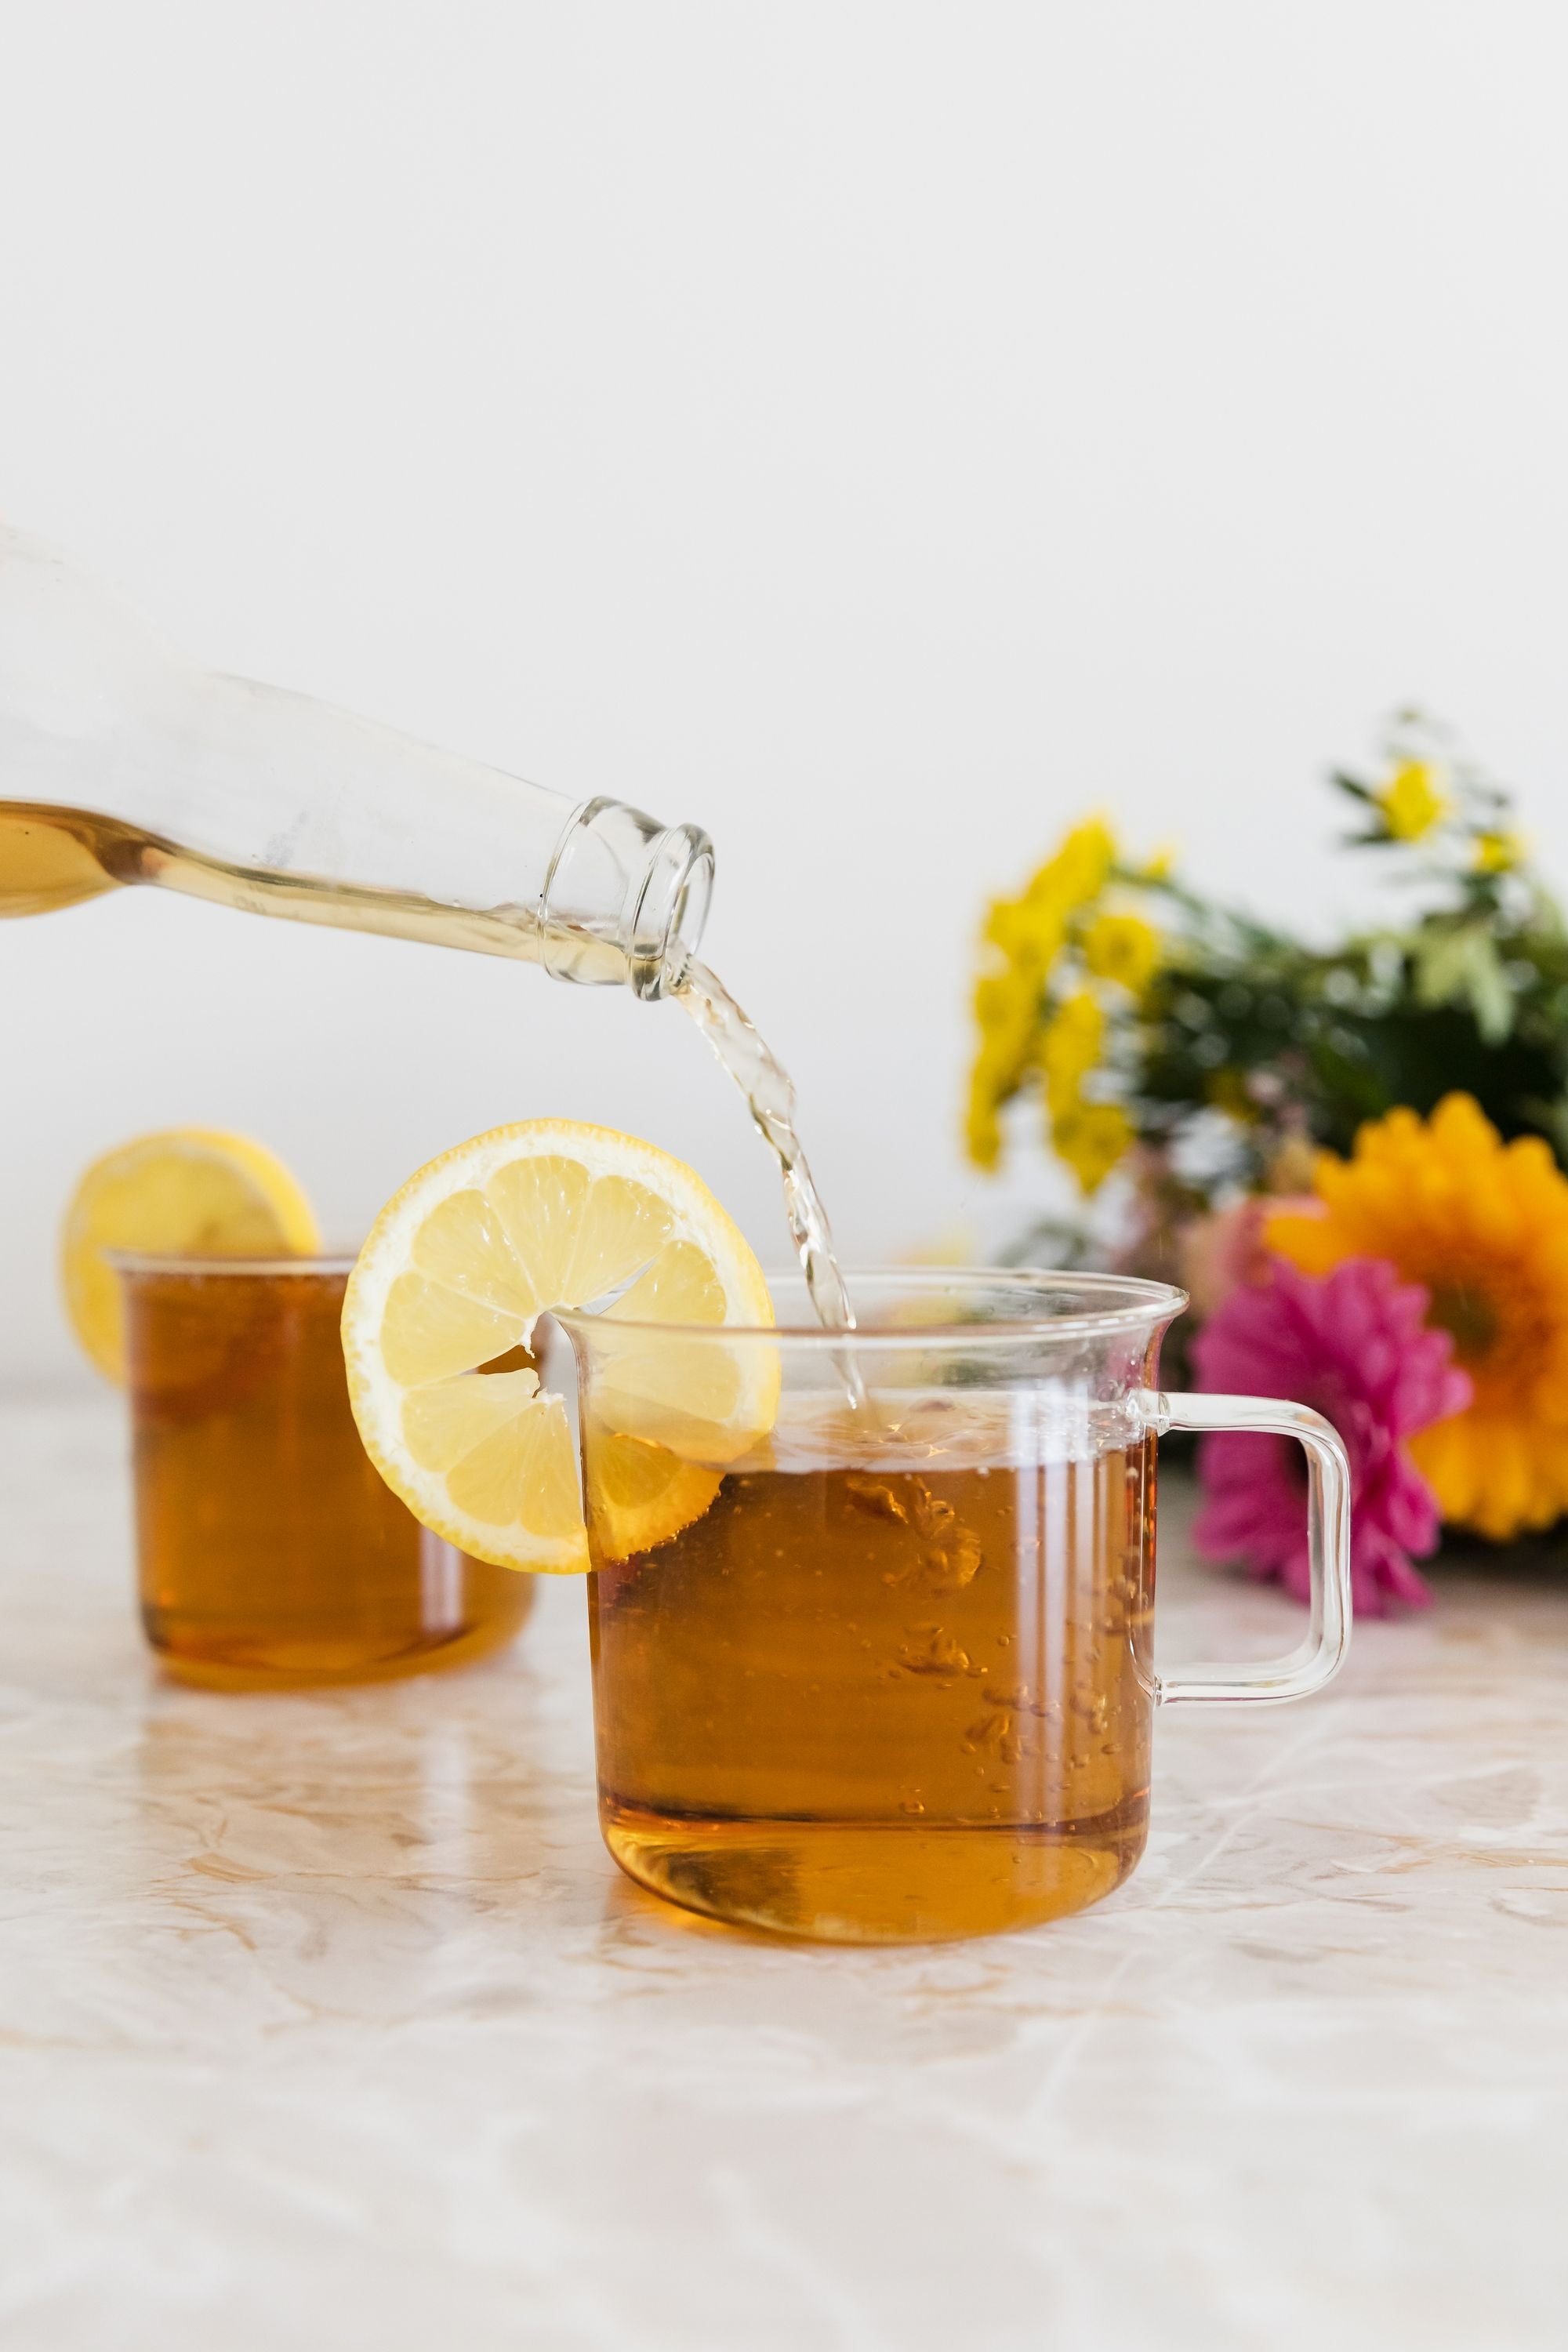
53 857
271 1553
868 1705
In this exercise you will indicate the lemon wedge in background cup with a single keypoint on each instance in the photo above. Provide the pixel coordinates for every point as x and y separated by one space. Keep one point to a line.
186 1191
457 1268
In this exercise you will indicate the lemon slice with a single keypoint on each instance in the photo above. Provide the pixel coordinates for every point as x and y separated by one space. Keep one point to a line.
459 1266
192 1192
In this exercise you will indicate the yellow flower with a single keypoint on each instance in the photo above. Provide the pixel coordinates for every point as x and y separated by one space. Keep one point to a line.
1091 1137
1005 1006
1028 930
1079 871
1484 1226
1499 853
1123 948
1070 1047
1410 801
982 1126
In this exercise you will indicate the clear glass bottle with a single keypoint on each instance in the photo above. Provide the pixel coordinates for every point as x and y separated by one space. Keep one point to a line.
119 762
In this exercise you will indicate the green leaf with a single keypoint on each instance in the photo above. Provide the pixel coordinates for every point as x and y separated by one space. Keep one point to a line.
1487 986
1460 965
1349 784
1437 957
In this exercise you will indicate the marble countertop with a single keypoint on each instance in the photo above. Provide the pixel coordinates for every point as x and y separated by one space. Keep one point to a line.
327 2021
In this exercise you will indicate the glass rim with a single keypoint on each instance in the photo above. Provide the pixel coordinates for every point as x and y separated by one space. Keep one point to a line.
321 1262
1139 1303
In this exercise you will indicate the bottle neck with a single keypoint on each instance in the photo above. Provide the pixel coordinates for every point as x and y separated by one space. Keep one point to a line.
625 899
121 762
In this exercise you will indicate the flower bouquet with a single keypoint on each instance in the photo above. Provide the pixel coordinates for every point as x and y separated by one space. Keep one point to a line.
1349 1155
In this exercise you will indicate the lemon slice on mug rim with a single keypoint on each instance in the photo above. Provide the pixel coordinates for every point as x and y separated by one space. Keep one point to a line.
553 1215
183 1191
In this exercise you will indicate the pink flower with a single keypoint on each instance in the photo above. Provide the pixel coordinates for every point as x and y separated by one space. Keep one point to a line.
1355 1348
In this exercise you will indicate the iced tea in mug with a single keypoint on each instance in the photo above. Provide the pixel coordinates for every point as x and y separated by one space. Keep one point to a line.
269 1552
893 1678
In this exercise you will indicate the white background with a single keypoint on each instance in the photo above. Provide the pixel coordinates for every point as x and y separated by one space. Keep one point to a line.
881 432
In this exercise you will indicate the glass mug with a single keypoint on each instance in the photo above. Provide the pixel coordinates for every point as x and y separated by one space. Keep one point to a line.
887 1676
269 1554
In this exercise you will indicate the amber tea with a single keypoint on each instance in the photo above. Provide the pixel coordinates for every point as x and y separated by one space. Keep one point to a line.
269 1551
874 1702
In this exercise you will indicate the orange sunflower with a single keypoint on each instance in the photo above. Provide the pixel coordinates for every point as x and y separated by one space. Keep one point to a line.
1484 1226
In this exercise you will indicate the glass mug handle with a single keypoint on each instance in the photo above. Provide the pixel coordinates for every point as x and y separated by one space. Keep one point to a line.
1323 1654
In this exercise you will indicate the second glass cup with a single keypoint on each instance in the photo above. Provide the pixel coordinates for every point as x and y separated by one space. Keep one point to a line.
269 1553
889 1674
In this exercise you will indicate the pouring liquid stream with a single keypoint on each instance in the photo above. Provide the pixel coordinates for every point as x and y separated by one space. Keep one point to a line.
766 1085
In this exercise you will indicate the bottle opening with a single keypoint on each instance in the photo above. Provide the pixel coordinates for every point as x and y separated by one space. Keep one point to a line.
625 899
675 910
